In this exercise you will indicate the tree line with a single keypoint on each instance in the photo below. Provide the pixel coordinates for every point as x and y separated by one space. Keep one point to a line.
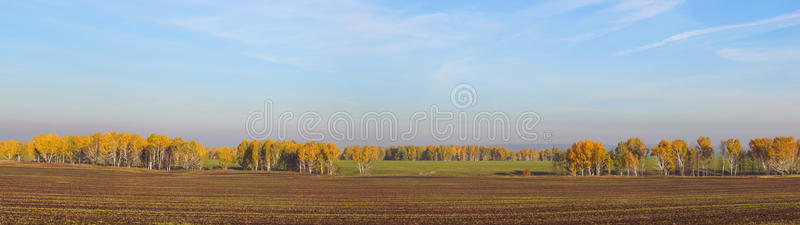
110 149
463 153
268 155
777 155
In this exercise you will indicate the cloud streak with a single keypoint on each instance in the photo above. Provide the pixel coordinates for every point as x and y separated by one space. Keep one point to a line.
759 54
557 7
286 61
625 13
334 26
711 30
642 9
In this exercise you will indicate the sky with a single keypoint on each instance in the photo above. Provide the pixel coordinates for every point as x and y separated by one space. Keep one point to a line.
591 69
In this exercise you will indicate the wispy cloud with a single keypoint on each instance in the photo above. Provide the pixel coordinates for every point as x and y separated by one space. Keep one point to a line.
626 13
287 61
594 34
759 54
635 10
333 25
556 7
711 30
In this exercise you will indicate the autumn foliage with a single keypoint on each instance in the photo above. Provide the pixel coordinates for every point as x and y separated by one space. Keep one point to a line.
777 155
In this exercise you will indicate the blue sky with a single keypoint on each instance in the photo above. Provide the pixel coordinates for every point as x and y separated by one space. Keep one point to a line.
599 69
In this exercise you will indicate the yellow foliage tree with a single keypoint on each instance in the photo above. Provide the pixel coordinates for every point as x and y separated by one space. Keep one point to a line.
625 156
272 153
665 154
48 147
733 154
587 156
192 155
155 148
331 155
108 141
12 150
681 150
760 148
705 153
307 156
134 149
364 157
227 156
256 156
79 146
781 155
629 155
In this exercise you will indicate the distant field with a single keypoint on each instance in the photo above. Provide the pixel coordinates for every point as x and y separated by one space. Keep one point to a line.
346 167
53 194
389 167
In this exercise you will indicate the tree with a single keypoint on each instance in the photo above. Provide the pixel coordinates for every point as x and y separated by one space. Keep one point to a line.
227 156
79 146
134 149
168 157
761 148
129 146
638 149
155 147
589 156
783 152
108 151
559 160
681 150
331 153
364 157
797 158
694 160
599 157
244 154
577 158
625 160
95 145
665 154
272 153
191 155
733 152
256 154
48 147
752 158
525 154
12 150
123 141
307 156
706 152
546 154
